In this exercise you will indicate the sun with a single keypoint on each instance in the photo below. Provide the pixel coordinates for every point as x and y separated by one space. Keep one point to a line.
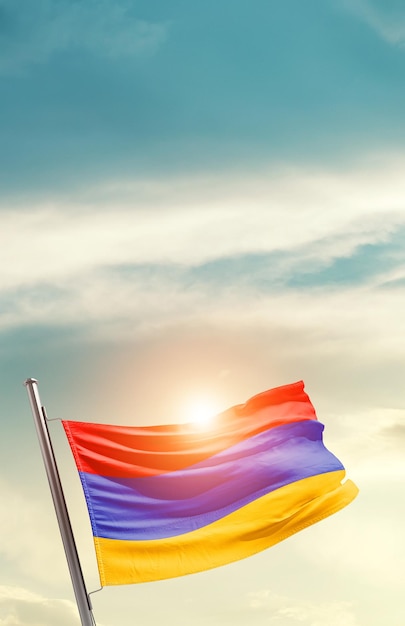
201 411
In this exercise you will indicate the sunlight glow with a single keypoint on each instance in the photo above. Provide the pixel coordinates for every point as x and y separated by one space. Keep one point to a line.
202 411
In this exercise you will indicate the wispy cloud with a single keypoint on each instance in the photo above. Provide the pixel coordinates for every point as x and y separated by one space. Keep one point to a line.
205 244
32 33
279 609
385 17
395 434
21 607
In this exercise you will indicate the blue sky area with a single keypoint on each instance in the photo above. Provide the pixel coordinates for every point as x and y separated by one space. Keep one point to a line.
95 89
198 202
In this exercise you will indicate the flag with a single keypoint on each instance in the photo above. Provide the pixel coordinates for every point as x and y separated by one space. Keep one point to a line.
170 500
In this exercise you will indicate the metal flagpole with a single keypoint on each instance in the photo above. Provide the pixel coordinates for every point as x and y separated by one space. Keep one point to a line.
79 586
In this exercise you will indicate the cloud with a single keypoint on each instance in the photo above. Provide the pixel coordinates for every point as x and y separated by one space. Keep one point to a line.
385 17
200 219
21 607
395 434
33 33
333 614
279 609
202 246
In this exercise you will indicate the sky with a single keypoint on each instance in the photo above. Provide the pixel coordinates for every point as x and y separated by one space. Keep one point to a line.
200 201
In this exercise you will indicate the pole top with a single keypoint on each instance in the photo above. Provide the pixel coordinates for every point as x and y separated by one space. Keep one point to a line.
29 381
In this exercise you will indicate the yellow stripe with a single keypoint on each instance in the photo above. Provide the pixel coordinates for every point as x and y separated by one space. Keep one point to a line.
257 526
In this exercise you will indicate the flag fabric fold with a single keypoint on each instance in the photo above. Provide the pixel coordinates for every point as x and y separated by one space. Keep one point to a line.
170 500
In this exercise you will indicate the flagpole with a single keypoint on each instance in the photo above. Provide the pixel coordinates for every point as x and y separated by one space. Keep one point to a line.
65 527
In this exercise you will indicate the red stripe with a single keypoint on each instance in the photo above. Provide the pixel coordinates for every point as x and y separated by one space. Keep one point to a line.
126 451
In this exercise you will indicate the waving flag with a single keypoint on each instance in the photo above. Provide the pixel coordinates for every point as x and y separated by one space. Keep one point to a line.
170 500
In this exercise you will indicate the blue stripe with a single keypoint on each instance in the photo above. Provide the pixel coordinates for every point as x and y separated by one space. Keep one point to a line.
175 503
